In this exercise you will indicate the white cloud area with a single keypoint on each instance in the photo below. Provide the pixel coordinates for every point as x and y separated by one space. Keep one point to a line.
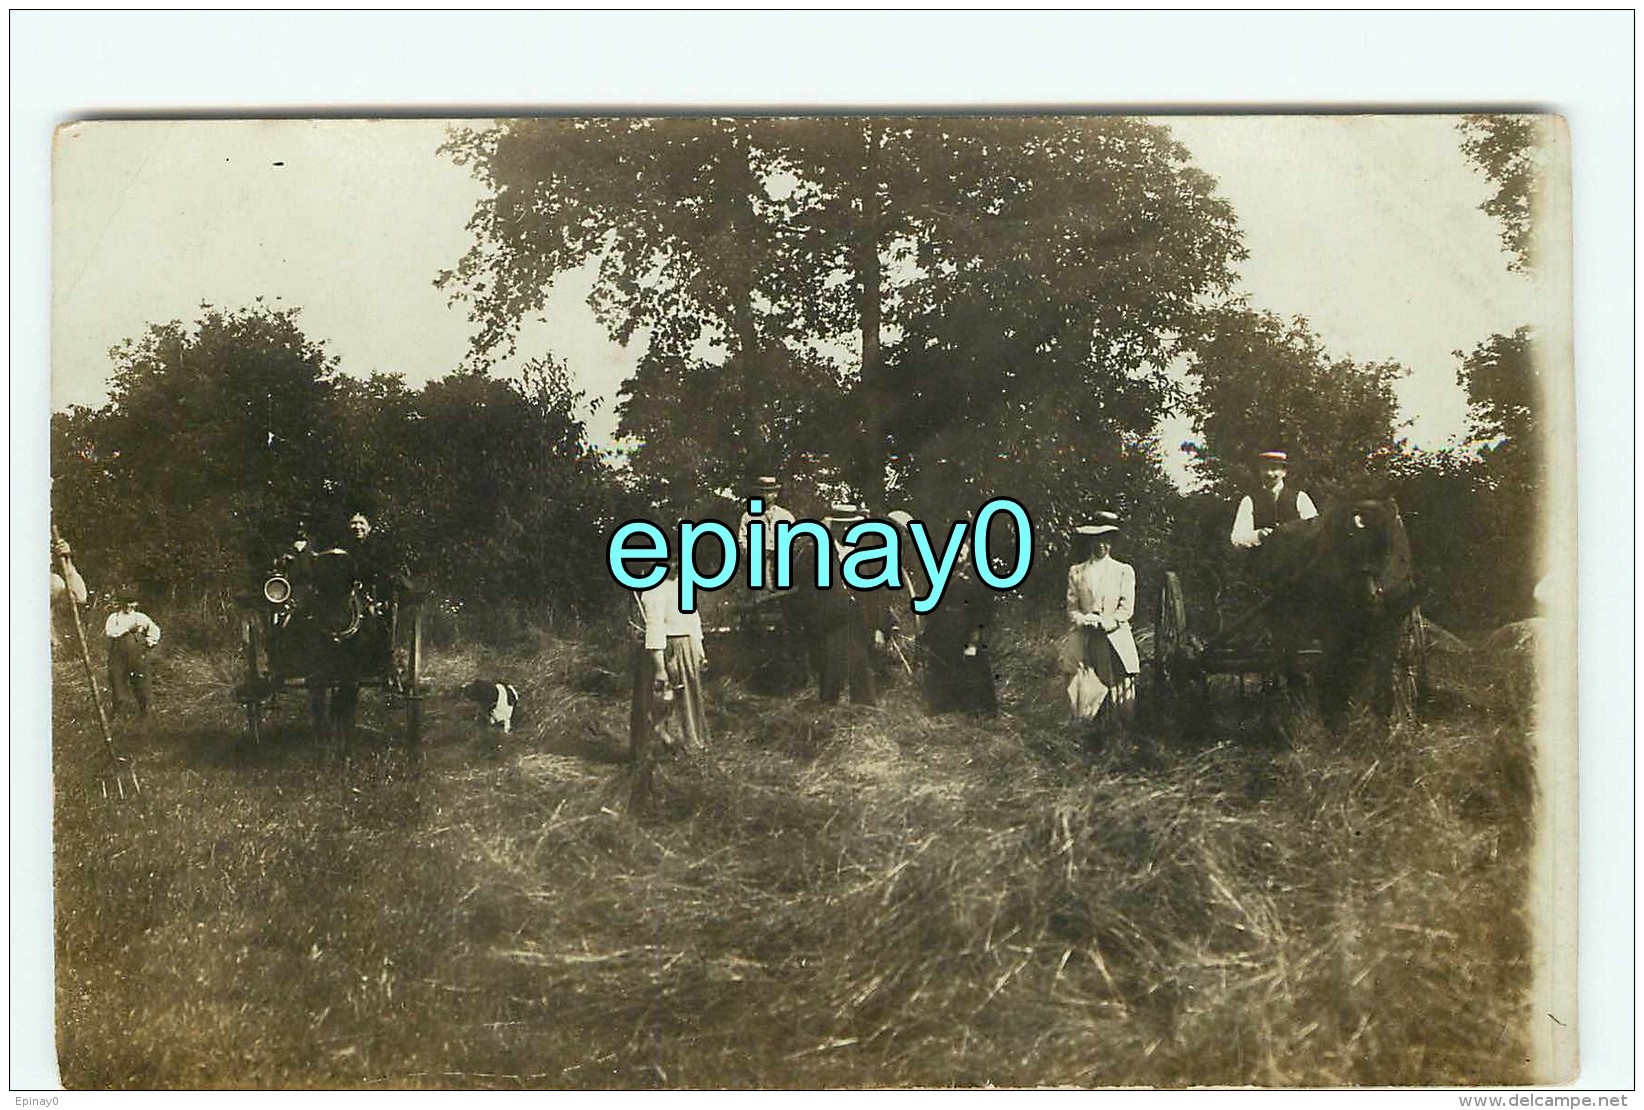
1367 226
349 220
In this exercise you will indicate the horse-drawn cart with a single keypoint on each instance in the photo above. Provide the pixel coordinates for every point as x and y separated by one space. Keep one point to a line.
1330 605
314 626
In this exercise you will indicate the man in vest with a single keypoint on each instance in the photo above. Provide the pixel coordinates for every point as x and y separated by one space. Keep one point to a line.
1274 505
765 489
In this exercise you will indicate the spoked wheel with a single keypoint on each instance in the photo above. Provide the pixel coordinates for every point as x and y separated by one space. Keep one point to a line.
254 686
1172 654
1179 689
413 679
1410 667
1170 633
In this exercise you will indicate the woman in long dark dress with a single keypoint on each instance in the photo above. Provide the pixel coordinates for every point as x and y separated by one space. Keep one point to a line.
958 664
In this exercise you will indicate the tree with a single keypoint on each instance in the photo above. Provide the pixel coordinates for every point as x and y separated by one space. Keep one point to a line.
1503 383
1507 150
977 260
219 436
1264 382
670 209
510 503
213 438
1502 377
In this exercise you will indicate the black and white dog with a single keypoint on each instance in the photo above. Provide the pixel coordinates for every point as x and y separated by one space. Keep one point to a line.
499 700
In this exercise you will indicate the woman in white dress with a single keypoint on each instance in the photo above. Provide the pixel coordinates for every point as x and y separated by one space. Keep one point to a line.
1100 653
667 671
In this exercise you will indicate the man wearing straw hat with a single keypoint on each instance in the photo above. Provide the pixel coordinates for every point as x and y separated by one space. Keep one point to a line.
766 489
1275 504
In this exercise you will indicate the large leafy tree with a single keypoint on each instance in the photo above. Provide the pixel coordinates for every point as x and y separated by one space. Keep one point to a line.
979 284
213 437
672 211
1507 150
1502 379
1266 382
219 436
508 502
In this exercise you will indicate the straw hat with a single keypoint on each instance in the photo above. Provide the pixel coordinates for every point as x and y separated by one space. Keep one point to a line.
843 512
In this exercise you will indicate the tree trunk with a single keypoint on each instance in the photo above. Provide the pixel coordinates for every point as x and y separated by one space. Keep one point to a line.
752 436
869 456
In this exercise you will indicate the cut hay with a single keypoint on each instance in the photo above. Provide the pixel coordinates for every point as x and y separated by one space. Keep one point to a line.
826 897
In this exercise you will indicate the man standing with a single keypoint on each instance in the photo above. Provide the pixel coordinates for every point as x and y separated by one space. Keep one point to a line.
848 623
68 589
131 634
766 490
1274 505
779 615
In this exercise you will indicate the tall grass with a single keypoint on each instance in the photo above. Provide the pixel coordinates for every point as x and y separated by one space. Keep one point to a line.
828 897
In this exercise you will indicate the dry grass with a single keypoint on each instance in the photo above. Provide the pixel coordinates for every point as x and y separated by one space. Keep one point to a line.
842 897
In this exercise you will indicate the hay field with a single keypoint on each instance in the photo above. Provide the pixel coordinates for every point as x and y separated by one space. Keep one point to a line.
834 897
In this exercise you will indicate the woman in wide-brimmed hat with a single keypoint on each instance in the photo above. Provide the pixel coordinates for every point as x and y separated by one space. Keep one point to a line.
1100 653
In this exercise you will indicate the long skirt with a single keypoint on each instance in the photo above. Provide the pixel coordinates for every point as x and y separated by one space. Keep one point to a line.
959 683
1099 687
675 718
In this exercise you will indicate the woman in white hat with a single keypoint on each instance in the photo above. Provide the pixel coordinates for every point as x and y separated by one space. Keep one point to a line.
1100 652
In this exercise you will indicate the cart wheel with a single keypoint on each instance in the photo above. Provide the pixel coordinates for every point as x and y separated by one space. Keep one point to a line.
413 679
1410 667
1170 672
251 693
1170 632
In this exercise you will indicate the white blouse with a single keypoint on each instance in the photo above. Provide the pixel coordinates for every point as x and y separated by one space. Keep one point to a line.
1105 588
659 607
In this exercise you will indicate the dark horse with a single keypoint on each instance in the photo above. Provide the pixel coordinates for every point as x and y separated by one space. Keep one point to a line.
1344 579
332 637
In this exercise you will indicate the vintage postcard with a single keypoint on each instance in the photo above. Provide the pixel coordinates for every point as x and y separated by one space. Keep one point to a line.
815 602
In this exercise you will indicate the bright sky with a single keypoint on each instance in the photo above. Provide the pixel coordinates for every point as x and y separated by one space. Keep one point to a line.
1368 226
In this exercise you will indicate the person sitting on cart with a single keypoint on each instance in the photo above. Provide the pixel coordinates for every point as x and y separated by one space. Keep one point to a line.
376 566
1273 505
296 563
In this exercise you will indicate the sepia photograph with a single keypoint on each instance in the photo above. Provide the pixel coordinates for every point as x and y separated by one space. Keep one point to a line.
1217 763
809 599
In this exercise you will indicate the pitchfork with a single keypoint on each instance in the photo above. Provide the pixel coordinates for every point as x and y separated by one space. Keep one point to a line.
118 770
